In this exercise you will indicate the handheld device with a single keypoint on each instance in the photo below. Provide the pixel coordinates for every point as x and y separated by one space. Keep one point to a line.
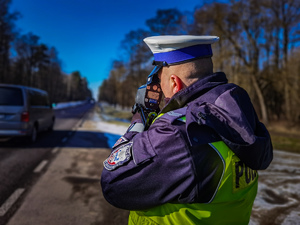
148 97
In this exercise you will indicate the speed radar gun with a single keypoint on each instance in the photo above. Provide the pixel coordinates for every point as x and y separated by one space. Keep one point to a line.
148 98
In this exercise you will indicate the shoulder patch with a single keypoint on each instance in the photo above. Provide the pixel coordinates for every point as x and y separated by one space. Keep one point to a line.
118 157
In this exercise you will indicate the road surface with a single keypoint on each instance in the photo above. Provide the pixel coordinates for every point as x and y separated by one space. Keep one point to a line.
20 162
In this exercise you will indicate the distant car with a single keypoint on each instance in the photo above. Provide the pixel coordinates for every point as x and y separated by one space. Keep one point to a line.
24 111
90 100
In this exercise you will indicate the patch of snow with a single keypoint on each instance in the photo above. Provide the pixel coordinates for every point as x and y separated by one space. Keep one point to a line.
111 131
63 105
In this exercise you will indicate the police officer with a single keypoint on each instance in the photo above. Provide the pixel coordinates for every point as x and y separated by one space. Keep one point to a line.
197 163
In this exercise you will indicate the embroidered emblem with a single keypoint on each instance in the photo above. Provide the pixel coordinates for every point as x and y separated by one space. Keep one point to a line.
118 157
121 140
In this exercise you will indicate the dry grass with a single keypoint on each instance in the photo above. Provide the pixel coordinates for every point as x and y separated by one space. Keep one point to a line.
285 136
115 113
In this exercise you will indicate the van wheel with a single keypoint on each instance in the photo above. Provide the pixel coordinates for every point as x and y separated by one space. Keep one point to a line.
52 125
33 136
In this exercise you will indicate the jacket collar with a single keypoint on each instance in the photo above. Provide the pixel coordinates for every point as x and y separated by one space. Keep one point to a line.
181 98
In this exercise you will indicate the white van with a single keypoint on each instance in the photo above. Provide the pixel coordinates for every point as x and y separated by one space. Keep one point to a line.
24 111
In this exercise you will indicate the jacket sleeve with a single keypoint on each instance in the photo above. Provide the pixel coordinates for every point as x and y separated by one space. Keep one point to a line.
159 170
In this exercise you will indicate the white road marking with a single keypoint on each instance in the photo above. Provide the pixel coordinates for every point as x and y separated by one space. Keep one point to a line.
55 150
40 166
10 201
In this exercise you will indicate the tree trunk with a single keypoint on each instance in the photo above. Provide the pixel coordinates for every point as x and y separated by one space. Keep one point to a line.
287 101
261 100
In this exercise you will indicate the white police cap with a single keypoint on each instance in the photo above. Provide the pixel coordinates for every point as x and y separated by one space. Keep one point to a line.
176 49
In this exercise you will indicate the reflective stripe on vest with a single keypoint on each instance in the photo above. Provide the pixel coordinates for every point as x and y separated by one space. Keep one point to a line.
232 202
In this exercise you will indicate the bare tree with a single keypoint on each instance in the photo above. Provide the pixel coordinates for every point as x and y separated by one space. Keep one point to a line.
7 35
241 25
168 21
26 46
285 20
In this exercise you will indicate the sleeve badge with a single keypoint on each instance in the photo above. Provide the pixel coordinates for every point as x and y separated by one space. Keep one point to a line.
118 157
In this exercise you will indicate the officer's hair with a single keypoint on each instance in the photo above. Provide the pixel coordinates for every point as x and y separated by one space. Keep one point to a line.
200 68
192 71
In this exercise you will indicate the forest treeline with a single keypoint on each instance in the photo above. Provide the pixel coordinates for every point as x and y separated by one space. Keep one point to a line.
26 61
258 50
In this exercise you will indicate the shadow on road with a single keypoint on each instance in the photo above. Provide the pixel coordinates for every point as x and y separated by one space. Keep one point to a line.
62 138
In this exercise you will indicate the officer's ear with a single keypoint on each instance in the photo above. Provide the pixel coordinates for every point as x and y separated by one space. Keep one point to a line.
176 84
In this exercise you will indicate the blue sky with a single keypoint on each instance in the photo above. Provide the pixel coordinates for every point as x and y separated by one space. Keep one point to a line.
87 33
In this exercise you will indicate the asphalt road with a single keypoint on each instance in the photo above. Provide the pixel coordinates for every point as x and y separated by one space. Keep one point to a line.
68 190
19 161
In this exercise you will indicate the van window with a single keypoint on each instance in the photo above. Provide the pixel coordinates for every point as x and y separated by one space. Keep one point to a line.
38 99
10 96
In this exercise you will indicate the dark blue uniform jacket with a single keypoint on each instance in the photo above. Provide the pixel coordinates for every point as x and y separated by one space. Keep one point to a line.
170 162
